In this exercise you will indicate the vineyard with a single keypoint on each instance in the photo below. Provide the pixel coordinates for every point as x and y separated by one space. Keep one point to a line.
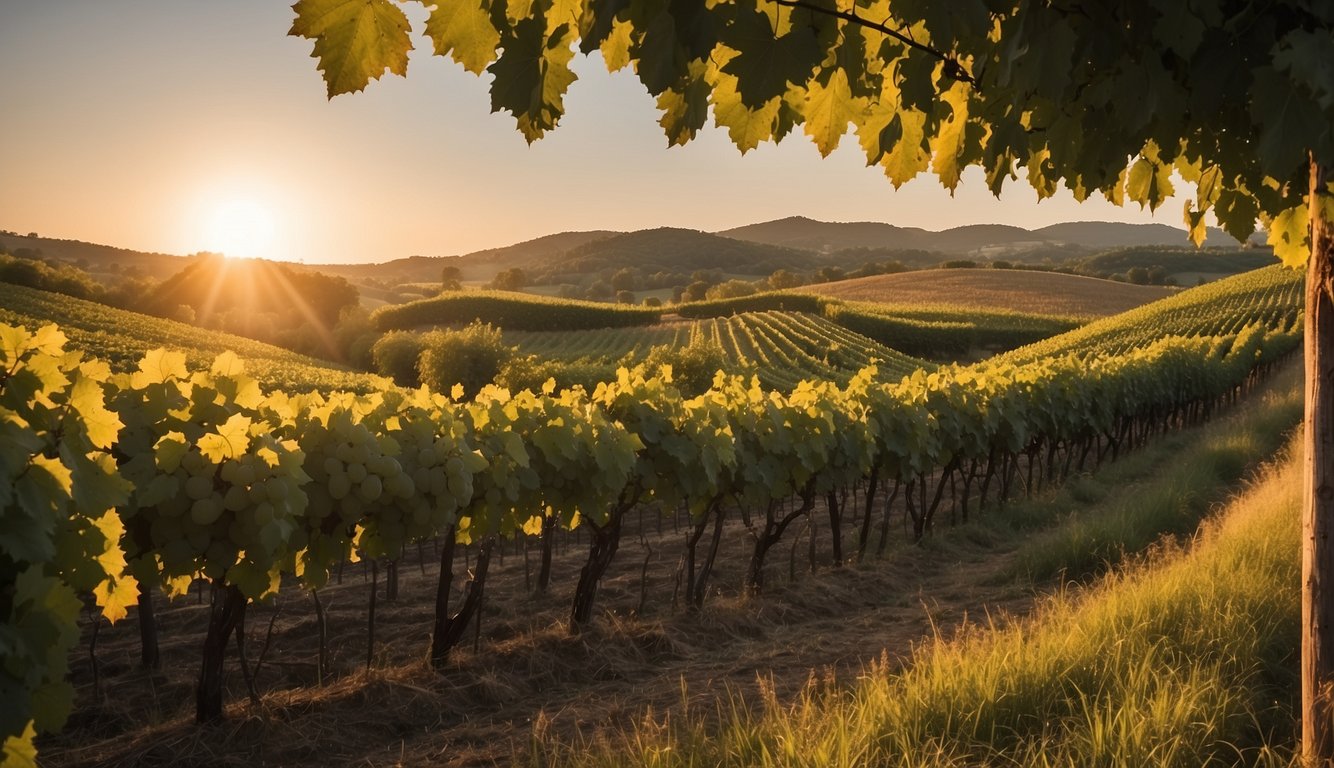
1271 295
173 476
782 348
121 338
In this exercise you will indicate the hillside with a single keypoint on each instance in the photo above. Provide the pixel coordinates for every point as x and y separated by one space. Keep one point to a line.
1047 293
669 250
121 338
1178 261
478 265
101 261
821 236
811 235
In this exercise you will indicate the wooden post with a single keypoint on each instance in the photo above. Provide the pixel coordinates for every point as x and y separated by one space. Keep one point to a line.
1318 491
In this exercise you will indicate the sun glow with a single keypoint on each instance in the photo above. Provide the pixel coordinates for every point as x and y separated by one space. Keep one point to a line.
242 228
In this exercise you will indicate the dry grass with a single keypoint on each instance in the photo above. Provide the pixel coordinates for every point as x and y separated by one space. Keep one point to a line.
1046 293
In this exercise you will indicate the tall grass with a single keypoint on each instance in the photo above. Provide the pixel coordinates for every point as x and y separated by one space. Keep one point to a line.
1186 658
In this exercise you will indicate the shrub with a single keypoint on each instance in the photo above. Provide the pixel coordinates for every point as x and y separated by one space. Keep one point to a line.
471 357
395 355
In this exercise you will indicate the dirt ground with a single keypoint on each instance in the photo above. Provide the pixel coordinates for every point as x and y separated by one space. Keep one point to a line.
524 667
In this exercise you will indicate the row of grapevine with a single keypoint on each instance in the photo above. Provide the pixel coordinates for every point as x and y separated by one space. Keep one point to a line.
782 348
212 477
516 311
1271 296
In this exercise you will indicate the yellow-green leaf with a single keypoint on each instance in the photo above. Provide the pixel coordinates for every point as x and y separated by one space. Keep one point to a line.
462 29
230 441
19 751
356 41
159 365
1289 235
828 108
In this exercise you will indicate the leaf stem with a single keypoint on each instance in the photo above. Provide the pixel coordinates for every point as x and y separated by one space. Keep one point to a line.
953 68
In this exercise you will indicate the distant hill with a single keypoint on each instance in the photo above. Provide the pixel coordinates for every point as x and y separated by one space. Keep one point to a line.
100 261
478 265
668 250
823 237
1106 234
1178 261
1047 293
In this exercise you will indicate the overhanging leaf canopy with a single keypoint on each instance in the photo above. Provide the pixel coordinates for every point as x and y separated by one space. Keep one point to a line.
1236 97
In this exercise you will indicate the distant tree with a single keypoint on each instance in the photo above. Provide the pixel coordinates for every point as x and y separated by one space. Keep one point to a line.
652 301
625 279
958 264
512 279
1001 264
730 290
1137 276
600 290
782 279
696 291
625 297
1158 275
451 278
829 274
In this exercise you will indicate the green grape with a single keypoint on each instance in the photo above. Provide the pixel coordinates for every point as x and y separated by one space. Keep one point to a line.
236 499
370 488
356 472
199 487
340 486
205 511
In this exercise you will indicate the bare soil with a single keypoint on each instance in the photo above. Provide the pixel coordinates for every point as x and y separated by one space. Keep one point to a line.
526 674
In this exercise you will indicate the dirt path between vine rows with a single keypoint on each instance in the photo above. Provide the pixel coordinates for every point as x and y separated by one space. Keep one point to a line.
527 675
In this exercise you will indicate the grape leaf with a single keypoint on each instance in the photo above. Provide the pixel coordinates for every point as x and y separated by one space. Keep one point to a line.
19 751
765 63
532 76
158 366
463 30
1290 124
230 441
356 41
1288 234
828 109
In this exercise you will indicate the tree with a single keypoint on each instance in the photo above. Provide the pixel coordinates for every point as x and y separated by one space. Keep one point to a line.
782 279
451 278
1234 97
512 279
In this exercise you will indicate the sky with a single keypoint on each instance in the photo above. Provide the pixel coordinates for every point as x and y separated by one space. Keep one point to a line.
189 125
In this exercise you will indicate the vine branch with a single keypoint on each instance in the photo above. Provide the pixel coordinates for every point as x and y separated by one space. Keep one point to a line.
953 68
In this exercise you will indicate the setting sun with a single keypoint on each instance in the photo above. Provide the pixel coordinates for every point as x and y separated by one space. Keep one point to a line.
242 228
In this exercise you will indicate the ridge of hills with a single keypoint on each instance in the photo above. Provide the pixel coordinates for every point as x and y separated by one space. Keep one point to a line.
794 243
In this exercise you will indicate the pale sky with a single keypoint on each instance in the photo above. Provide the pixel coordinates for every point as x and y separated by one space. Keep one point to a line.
154 125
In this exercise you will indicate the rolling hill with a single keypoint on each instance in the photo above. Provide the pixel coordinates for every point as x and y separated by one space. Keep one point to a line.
1047 293
821 236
